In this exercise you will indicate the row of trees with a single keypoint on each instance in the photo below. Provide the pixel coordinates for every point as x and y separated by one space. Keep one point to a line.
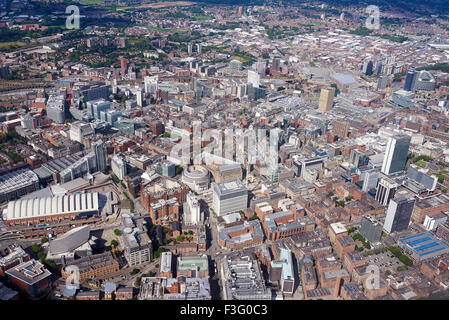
37 249
402 257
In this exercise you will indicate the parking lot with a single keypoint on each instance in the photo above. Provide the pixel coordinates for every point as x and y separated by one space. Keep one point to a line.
385 261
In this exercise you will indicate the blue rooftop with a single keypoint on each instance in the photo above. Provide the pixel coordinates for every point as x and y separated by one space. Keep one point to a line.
425 244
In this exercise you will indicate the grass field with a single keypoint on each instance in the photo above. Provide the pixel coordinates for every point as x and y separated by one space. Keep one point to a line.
421 163
8 45
158 5
91 2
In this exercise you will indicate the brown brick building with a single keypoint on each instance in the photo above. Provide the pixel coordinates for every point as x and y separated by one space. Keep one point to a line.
92 267
343 245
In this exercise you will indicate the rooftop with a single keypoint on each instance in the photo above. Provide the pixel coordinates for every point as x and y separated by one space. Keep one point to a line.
338 227
47 206
29 272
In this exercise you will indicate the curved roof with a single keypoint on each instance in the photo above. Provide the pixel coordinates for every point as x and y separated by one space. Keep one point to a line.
45 206
196 172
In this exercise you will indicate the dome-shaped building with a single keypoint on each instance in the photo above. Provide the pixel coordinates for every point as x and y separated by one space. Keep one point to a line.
196 177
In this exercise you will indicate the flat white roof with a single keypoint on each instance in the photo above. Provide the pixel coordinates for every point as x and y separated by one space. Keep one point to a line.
338 227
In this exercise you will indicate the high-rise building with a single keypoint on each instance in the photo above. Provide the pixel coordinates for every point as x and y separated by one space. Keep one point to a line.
79 168
431 223
379 66
90 92
370 228
367 67
396 154
100 155
57 106
341 128
399 213
358 158
229 197
370 180
118 166
29 121
199 48
122 42
137 244
253 78
139 97
255 93
276 65
110 116
382 82
123 63
80 130
95 107
259 66
151 84
242 90
189 48
236 65
409 79
326 99
192 214
386 190
4 71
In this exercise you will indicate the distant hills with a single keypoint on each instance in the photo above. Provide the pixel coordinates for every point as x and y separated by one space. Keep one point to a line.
440 7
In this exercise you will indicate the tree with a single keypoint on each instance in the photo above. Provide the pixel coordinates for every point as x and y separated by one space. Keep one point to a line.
117 232
35 248
134 271
157 253
114 243
254 217
50 264
41 256
44 240
115 178
178 170
351 230
137 282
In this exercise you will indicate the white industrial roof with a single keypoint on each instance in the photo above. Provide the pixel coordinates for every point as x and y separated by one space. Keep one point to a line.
46 206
